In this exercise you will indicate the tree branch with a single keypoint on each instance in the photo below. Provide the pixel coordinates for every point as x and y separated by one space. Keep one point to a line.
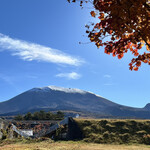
146 43
147 6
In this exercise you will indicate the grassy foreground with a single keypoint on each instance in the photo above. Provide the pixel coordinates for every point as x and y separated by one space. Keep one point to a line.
50 145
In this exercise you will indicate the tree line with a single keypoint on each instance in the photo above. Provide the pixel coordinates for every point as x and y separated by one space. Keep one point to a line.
41 115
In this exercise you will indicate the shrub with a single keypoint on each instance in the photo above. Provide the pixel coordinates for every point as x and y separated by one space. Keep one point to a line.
96 128
87 123
124 137
106 135
115 131
109 127
119 124
87 130
141 133
146 139
124 129
103 123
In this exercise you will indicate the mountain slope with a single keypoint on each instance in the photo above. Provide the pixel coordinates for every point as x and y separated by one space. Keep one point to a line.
147 107
54 98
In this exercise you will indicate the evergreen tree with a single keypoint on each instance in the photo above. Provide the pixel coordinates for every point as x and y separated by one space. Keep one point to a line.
18 117
28 116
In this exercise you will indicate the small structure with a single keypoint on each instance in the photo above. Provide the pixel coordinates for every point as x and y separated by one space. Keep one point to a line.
64 129
77 115
28 132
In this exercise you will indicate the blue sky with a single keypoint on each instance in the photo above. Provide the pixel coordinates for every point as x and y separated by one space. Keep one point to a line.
39 46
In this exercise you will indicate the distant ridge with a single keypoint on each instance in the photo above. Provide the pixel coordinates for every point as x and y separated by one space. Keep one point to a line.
70 100
147 107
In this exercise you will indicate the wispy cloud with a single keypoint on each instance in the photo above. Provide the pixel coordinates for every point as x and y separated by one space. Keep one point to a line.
72 75
9 80
107 76
32 77
31 51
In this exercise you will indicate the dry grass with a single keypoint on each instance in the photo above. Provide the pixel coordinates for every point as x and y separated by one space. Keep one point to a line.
118 131
110 119
48 145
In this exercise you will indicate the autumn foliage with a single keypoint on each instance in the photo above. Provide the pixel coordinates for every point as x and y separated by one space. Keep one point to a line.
126 24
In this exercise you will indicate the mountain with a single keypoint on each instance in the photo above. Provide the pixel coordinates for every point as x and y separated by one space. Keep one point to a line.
147 107
54 98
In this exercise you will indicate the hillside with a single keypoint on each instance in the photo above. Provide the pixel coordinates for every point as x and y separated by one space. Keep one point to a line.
54 98
115 131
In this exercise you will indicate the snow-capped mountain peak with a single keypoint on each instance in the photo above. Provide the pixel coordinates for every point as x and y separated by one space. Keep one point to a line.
67 90
56 88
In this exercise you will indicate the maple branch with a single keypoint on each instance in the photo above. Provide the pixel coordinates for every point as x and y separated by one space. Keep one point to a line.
146 42
147 6
144 39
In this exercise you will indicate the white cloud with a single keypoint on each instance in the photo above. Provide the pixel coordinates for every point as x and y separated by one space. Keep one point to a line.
31 51
107 76
72 75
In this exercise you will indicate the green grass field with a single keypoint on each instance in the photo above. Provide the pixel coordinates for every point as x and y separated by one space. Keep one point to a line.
50 145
